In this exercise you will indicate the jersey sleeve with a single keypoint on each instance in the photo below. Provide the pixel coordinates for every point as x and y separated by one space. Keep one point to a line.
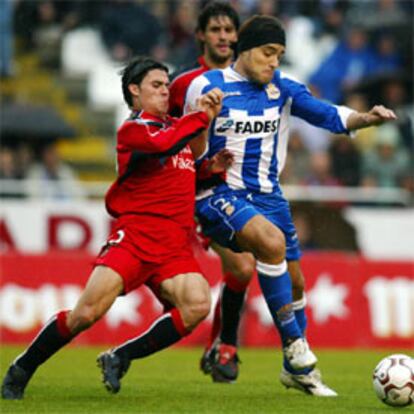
315 111
136 135
177 96
199 86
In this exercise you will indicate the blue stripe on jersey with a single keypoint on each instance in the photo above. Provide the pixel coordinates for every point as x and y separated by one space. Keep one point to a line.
273 177
251 163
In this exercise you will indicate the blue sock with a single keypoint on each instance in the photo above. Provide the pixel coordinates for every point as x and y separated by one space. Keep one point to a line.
299 309
277 290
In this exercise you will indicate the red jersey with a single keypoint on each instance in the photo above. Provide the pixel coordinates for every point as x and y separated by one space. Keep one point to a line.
156 174
180 84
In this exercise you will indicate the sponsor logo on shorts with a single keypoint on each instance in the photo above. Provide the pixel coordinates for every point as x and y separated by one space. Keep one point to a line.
229 210
225 206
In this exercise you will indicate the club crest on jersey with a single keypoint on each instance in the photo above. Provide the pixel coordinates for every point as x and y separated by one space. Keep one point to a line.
272 91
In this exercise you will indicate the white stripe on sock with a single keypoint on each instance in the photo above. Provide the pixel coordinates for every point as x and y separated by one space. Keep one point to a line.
162 317
299 304
272 270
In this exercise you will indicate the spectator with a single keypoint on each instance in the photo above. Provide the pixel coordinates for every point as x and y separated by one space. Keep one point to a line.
8 166
389 165
386 56
365 138
51 178
24 158
346 161
129 29
304 231
394 93
314 139
6 42
9 170
349 62
181 27
297 161
381 14
320 170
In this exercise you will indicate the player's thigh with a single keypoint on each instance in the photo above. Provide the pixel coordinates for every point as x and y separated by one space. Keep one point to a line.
186 290
240 265
222 215
261 237
103 287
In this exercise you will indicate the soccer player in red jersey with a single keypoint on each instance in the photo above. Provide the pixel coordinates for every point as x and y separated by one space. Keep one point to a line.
152 200
216 33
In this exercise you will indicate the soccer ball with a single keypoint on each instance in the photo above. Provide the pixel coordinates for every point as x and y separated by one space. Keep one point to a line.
394 380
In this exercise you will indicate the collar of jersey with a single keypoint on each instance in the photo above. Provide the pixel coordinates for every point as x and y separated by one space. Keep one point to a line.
203 63
150 117
238 76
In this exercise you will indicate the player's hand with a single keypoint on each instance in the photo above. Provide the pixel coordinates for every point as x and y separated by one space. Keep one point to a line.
376 116
221 161
380 114
211 103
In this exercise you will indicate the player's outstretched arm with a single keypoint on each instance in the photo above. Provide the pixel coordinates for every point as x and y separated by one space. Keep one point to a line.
376 116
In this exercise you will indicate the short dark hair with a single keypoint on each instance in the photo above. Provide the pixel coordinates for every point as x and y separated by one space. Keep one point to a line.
215 9
135 71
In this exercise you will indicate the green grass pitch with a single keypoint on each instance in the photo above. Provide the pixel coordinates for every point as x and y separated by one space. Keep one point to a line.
170 382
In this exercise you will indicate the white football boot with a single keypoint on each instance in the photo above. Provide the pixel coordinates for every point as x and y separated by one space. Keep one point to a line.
308 383
299 354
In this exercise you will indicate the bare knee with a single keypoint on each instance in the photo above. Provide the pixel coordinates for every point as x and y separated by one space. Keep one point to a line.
264 240
190 294
82 318
243 268
272 248
195 311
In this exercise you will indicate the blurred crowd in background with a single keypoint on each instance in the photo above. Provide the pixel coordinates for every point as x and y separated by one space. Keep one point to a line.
352 52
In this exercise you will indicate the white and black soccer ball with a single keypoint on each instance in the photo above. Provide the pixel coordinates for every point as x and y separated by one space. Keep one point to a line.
394 380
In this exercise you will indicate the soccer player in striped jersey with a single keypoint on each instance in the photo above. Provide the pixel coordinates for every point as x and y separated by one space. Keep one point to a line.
247 211
216 31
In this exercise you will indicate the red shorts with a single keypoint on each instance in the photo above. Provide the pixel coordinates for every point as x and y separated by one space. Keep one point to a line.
148 251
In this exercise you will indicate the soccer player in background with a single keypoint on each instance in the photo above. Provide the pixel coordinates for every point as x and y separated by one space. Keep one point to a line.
247 212
151 241
216 33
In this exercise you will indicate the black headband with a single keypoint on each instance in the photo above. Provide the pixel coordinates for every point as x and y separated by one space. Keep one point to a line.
256 35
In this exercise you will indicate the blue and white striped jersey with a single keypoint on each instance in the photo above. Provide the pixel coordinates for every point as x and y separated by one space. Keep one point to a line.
253 123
